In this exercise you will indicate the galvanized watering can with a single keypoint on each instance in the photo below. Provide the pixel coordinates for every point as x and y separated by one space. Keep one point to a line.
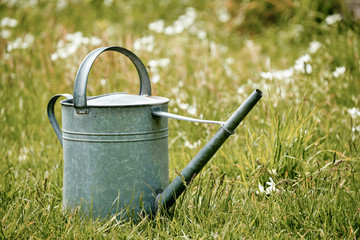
115 145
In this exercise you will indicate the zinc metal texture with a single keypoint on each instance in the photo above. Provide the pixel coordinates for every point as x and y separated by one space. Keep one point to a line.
113 157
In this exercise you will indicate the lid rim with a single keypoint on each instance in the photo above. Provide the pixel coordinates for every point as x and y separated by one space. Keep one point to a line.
121 99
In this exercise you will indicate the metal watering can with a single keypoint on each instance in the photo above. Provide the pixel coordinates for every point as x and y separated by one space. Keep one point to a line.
115 146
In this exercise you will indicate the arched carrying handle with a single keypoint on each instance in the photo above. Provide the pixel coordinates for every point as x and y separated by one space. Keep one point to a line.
84 70
51 114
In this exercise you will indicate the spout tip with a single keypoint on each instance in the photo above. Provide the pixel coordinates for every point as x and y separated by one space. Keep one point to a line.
258 91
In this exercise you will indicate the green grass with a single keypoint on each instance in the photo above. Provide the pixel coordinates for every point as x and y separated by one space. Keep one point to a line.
300 134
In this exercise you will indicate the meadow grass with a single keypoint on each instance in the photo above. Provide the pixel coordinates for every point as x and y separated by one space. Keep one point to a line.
290 171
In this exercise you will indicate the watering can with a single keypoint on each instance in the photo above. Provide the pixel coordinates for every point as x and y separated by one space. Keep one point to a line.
115 146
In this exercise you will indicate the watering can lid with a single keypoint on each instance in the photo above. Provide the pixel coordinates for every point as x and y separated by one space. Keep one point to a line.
123 99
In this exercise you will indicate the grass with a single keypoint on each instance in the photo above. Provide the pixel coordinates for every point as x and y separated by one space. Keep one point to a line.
301 134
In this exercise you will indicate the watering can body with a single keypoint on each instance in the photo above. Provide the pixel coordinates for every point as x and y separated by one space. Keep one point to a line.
115 146
113 155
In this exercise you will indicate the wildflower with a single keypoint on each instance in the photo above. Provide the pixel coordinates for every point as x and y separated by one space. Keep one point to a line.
157 26
192 110
314 46
300 63
5 33
339 71
72 42
183 22
21 43
266 75
182 106
154 68
223 15
331 19
279 75
201 34
103 82
356 128
8 22
192 145
354 112
162 62
108 3
241 90
146 43
272 188
308 68
261 189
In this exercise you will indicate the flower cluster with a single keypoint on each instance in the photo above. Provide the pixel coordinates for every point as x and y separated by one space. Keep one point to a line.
192 145
154 66
223 15
302 65
72 42
182 23
354 112
339 71
191 109
21 43
5 24
332 19
146 43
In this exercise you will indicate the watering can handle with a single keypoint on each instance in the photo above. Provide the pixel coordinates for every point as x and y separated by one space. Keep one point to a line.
84 70
51 114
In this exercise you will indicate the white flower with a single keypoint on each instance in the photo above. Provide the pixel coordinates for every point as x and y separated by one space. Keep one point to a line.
191 146
266 75
21 43
279 75
355 128
182 106
8 22
192 110
155 78
95 41
5 33
201 34
223 15
314 46
272 188
154 68
261 189
300 63
241 90
229 60
183 22
339 71
71 44
308 68
157 26
146 43
108 3
103 82
331 19
354 112
162 62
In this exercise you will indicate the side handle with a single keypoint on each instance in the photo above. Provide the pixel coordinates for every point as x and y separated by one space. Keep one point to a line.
51 114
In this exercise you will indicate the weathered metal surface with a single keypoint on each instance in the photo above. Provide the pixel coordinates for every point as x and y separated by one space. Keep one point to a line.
176 187
116 145
112 157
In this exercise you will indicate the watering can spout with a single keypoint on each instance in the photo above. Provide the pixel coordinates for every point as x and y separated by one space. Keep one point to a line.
168 197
